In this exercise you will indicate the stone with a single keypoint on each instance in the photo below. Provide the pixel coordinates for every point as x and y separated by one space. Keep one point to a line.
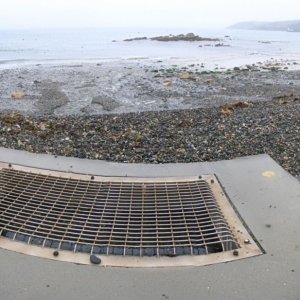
95 259
136 39
185 76
17 95
209 81
107 103
190 37
167 83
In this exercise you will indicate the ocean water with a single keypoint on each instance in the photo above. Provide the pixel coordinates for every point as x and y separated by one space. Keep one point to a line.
25 47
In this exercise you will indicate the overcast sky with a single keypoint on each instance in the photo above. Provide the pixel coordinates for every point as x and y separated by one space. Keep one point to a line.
16 14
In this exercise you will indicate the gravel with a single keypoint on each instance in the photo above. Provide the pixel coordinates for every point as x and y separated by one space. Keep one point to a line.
193 135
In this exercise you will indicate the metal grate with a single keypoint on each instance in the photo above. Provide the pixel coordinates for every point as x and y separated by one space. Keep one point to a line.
112 217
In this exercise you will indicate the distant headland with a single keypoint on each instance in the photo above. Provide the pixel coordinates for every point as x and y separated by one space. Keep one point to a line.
290 26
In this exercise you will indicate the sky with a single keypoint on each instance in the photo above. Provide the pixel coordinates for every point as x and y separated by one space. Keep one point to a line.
27 14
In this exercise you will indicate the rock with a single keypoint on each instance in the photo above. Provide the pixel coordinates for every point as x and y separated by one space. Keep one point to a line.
239 104
139 150
185 76
138 137
190 37
107 103
95 259
225 111
136 39
209 81
51 98
17 95
221 45
167 83
264 42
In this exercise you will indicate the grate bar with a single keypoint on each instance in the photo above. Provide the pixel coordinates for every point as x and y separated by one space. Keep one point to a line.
129 218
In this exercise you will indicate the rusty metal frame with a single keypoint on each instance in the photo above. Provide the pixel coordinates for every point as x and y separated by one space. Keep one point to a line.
247 244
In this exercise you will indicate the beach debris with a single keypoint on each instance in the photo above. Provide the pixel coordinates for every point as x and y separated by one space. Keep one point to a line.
17 95
19 143
222 89
42 126
13 118
186 76
185 123
239 104
167 83
284 99
138 137
228 109
209 81
225 111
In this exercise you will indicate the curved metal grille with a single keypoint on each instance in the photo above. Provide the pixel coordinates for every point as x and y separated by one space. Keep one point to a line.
116 217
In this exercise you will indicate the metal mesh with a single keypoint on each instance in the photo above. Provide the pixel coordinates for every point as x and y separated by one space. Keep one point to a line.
113 218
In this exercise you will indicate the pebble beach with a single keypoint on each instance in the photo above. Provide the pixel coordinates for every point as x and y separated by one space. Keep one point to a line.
89 111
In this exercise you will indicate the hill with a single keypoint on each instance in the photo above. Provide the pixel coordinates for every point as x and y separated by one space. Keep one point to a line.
291 26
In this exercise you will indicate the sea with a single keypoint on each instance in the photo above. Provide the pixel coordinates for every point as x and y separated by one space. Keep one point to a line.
68 46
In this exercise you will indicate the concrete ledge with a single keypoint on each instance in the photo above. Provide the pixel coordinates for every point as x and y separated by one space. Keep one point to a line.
105 168
266 196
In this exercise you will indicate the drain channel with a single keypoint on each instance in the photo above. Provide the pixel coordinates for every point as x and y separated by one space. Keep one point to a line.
132 217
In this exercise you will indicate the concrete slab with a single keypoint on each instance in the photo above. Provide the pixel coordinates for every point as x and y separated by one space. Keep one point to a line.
266 196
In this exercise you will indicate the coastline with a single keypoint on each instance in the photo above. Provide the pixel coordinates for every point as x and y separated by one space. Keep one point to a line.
137 112
114 87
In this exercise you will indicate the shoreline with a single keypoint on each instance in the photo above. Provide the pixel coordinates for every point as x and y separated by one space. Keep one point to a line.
153 113
136 86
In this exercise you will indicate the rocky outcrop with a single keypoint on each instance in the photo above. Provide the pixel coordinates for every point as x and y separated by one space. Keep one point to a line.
189 37
136 39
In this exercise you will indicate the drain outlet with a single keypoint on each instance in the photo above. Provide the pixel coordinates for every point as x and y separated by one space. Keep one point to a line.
122 217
